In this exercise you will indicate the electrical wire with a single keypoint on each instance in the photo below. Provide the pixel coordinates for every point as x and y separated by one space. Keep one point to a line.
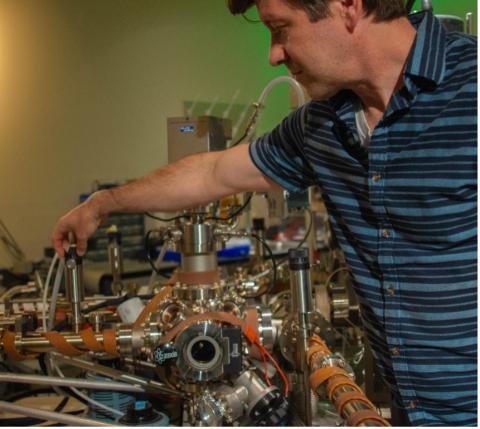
149 258
236 212
45 292
103 304
244 135
334 273
55 290
274 266
309 228
264 352
182 216
304 239
157 262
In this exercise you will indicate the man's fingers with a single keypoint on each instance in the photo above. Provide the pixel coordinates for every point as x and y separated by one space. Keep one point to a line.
81 246
58 246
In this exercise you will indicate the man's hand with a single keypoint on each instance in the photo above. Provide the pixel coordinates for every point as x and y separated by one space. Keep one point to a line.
82 222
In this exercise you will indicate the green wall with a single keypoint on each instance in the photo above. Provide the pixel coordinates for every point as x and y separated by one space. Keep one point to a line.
453 7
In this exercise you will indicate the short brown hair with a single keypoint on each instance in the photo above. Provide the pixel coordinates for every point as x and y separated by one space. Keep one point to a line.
384 10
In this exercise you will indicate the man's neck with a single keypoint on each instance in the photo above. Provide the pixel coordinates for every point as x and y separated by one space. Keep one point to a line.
386 47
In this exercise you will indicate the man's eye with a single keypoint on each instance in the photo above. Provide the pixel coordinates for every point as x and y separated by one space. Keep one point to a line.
279 32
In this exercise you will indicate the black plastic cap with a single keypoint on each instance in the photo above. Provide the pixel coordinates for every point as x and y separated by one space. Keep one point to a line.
259 224
298 259
114 237
71 253
140 413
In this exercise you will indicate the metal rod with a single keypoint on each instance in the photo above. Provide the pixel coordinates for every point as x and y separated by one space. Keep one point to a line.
69 382
301 292
41 344
147 384
469 19
74 286
17 290
50 415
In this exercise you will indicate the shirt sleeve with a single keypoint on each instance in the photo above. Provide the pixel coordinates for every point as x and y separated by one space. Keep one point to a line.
280 154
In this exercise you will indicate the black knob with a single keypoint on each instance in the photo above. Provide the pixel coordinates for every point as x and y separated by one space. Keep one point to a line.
259 224
298 259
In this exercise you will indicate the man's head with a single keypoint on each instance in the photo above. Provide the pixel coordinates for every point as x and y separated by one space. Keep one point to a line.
322 42
383 10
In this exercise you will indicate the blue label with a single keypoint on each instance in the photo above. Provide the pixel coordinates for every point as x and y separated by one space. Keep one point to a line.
140 405
187 129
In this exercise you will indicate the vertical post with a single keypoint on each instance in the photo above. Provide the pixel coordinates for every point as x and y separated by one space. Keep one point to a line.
115 257
301 291
469 20
75 290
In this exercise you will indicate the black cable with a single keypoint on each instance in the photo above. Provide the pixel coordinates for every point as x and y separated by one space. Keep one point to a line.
409 5
106 303
240 139
307 231
113 301
235 213
149 258
189 215
304 239
59 408
274 265
167 219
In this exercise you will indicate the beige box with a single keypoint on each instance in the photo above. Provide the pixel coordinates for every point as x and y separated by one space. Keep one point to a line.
187 136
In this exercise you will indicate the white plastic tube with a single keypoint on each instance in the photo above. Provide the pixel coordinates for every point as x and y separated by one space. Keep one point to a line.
296 86
54 296
261 100
45 292
159 259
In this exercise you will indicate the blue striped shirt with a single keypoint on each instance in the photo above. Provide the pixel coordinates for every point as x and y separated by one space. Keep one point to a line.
405 214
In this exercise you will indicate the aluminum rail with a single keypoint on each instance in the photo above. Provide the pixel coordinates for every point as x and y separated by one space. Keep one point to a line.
69 382
51 415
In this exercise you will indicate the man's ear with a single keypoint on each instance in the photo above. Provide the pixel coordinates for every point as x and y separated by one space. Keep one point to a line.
352 12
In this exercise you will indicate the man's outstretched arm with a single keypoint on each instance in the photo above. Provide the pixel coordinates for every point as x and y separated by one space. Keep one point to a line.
195 180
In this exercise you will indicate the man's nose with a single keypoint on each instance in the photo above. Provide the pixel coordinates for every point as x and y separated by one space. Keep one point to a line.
277 54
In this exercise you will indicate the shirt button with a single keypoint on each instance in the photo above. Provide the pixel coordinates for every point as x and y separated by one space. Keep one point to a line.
385 233
412 404
395 351
390 291
376 177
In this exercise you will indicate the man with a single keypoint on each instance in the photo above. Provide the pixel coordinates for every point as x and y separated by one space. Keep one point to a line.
392 147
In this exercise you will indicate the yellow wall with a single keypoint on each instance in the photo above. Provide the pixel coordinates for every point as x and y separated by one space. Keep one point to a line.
86 87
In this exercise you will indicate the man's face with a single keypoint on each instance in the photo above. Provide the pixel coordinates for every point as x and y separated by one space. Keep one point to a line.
314 52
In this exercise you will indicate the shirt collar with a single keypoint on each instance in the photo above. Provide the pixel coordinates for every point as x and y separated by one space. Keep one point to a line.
425 68
427 57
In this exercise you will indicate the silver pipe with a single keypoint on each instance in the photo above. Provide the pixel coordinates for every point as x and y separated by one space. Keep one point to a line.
115 258
427 5
62 300
301 291
40 343
16 290
74 287
67 419
147 384
69 382
469 20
